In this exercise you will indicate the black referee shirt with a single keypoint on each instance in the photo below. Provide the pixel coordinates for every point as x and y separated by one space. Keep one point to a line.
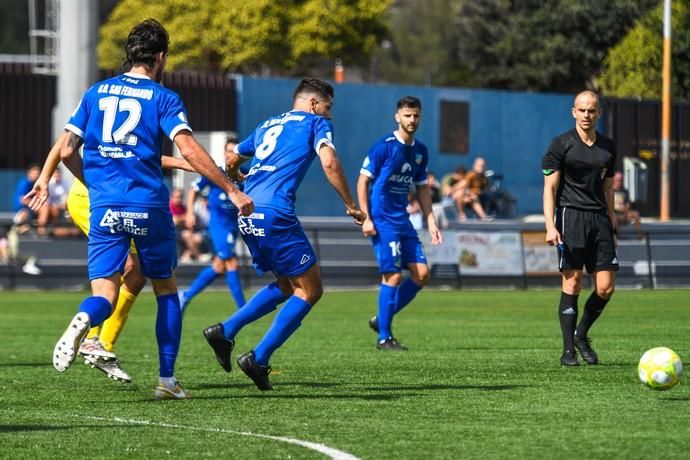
583 170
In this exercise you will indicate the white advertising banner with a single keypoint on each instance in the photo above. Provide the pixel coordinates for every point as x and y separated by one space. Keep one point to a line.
478 253
540 258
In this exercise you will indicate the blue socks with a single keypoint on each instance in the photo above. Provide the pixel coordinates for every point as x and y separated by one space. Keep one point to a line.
286 322
98 309
261 303
406 292
203 279
232 279
207 276
387 296
168 332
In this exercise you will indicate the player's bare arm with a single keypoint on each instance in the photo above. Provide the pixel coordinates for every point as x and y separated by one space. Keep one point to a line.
336 177
551 182
368 227
232 167
39 192
168 162
427 211
190 217
69 153
201 161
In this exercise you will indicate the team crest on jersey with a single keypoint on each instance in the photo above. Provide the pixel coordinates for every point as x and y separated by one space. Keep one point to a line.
418 158
406 167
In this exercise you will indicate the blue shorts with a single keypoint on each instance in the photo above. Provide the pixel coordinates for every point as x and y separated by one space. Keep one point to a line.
277 242
112 228
396 249
223 237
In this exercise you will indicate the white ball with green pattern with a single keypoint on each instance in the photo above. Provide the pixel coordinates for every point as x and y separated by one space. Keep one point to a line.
660 368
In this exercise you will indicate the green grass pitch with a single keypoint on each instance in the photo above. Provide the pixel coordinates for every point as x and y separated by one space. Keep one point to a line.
481 380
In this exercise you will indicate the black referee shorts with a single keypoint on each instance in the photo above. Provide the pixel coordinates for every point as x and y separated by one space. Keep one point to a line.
588 240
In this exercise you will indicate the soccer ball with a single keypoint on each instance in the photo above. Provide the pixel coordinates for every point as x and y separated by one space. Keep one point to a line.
660 368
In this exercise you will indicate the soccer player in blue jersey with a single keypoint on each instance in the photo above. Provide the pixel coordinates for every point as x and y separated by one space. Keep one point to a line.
393 164
223 229
121 123
281 149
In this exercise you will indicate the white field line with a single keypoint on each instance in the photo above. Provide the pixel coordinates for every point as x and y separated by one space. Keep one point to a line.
335 454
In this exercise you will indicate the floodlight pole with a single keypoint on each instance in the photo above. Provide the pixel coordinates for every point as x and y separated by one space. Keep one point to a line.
665 214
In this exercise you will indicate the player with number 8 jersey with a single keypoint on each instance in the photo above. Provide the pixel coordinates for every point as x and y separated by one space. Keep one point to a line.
282 148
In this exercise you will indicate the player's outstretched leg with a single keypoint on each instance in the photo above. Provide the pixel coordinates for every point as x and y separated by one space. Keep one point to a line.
232 279
221 336
66 348
92 311
286 322
110 367
256 372
222 347
202 280
168 335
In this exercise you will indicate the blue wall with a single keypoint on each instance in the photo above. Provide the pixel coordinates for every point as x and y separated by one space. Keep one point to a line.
511 130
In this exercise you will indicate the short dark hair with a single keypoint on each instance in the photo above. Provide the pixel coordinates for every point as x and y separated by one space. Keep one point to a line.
144 42
410 102
231 139
314 86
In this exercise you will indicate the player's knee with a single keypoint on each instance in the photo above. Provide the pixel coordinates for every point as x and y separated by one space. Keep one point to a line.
219 266
314 294
605 292
422 276
133 279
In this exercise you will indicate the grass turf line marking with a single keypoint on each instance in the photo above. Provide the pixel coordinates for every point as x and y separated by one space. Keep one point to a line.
335 454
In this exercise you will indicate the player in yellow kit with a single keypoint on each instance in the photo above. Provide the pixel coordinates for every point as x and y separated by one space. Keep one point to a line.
97 348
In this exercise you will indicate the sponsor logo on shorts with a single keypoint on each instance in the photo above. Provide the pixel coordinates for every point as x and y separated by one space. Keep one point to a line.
246 225
305 258
124 221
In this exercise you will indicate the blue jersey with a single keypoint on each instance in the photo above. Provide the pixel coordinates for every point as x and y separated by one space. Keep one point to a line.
283 148
392 167
222 211
122 121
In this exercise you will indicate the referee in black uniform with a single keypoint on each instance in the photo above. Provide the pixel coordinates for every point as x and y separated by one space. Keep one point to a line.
578 172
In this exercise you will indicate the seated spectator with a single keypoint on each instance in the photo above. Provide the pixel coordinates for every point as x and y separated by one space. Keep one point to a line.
194 235
177 208
477 187
434 187
53 211
454 190
23 215
626 213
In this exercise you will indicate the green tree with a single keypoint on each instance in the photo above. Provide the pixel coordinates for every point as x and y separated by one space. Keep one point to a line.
422 47
286 37
633 67
542 45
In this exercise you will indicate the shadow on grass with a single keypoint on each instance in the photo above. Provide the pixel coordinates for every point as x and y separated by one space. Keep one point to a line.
211 386
42 364
677 398
30 427
253 393
395 387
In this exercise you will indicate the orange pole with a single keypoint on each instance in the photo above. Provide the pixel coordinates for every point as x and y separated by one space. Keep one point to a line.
665 206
